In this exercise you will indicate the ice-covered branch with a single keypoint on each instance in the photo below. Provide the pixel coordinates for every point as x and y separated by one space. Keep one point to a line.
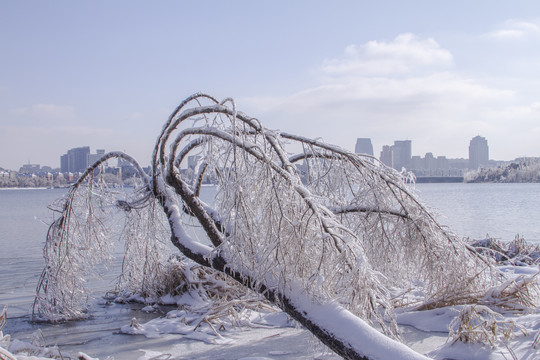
324 243
363 209
108 156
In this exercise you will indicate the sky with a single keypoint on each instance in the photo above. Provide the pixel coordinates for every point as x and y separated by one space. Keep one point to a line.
106 74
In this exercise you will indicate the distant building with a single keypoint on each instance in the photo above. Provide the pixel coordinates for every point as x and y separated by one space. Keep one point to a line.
8 174
460 163
92 158
363 146
75 160
417 163
443 163
478 152
122 163
29 169
430 163
64 163
401 154
386 156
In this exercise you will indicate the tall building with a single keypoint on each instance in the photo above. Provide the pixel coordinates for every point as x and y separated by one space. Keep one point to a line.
401 154
75 160
363 146
92 158
64 163
478 152
386 156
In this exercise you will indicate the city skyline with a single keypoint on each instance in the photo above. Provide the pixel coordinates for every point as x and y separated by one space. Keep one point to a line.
109 74
400 153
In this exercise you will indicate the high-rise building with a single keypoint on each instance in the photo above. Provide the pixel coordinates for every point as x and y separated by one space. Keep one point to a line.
64 163
386 155
75 160
92 158
363 146
478 152
401 154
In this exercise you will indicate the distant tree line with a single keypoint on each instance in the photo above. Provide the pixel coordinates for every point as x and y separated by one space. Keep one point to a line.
521 170
27 182
127 177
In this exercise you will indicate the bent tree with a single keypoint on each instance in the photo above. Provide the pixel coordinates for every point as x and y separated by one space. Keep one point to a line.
327 235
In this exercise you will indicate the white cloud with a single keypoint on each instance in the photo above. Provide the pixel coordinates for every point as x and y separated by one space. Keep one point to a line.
390 91
40 113
531 111
507 34
404 54
517 117
515 30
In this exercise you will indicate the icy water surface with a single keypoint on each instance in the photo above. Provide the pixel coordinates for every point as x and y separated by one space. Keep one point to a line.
473 210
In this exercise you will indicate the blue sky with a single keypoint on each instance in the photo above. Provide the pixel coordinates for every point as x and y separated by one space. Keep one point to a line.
107 73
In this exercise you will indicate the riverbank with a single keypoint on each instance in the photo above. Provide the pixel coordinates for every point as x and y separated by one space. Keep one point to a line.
265 336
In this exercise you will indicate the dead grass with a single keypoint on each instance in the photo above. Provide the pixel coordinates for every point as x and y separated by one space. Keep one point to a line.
480 324
4 339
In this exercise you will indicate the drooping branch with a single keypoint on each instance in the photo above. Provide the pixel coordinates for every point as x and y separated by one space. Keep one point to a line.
195 206
162 139
248 151
285 171
108 156
78 240
331 245
381 347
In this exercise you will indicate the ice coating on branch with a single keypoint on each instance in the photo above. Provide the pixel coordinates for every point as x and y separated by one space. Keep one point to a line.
336 227
342 324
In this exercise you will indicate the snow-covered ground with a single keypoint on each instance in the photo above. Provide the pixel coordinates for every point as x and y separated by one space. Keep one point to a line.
169 339
265 334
